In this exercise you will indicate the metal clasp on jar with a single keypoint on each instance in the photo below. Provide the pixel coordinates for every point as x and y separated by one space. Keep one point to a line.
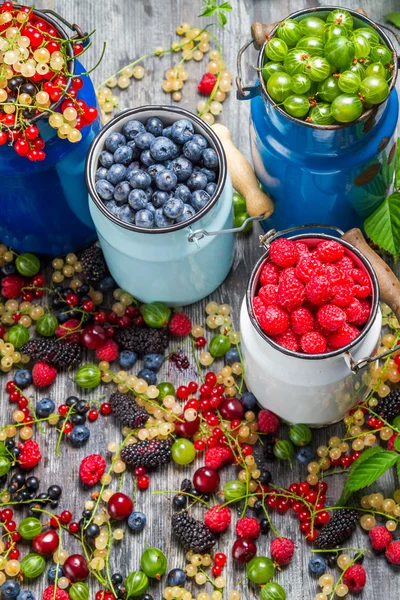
199 234
357 365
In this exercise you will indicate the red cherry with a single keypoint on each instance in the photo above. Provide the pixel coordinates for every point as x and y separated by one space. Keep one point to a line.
243 550
231 409
93 337
76 568
46 543
206 479
187 429
143 482
119 506
93 414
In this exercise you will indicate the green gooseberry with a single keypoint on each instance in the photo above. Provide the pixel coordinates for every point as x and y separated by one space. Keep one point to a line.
374 89
347 108
166 389
79 591
376 69
46 325
300 435
29 528
273 591
183 451
219 345
33 565
156 314
359 69
328 89
269 68
289 31
339 52
276 49
260 570
300 83
339 16
18 335
335 31
349 82
295 62
27 264
297 106
321 115
312 26
369 34
88 376
381 54
234 490
136 584
238 202
317 68
283 449
278 86
311 45
153 563
361 45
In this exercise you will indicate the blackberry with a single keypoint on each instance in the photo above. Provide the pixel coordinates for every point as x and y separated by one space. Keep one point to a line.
192 534
150 453
126 410
58 353
339 529
142 340
389 407
94 267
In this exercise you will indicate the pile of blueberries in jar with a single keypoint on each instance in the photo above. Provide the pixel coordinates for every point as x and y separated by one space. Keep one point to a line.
150 175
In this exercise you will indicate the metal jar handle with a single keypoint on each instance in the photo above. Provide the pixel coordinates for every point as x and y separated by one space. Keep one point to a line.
356 365
249 91
79 33
199 234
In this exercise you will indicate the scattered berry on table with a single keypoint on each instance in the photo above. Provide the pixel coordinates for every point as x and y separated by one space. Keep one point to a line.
137 521
192 534
282 550
91 469
355 578
218 518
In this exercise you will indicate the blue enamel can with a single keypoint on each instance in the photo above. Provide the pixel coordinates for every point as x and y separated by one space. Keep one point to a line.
179 264
336 174
44 206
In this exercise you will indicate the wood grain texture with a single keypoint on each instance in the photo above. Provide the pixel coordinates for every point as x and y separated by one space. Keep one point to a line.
132 28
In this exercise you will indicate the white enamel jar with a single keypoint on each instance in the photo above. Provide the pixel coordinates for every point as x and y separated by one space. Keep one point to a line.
313 389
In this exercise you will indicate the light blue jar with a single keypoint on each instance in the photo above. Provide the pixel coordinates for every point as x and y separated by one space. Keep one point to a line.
166 264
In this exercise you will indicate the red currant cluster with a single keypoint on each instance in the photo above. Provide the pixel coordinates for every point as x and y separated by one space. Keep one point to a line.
219 563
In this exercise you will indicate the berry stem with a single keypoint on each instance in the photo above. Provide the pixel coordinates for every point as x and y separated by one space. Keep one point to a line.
60 435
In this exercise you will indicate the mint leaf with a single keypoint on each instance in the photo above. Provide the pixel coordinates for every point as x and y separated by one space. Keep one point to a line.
394 18
370 469
222 19
366 455
225 6
383 226
397 444
208 12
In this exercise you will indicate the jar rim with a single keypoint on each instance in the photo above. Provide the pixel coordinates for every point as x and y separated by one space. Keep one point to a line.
366 115
171 110
253 281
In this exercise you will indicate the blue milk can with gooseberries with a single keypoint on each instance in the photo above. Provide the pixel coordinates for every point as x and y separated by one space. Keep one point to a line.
333 174
44 206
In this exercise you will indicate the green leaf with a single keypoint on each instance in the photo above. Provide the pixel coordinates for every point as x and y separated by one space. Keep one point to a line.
397 444
225 6
366 455
394 18
207 12
222 19
397 172
383 226
398 467
369 470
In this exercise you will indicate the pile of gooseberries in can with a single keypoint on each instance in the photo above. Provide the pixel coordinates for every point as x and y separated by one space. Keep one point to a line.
327 70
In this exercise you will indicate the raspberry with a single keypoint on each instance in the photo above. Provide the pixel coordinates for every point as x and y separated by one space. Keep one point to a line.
318 290
390 444
48 594
353 310
91 469
43 374
217 518
380 537
258 305
180 324
355 578
69 328
365 312
218 456
30 455
331 317
282 550
268 294
313 343
11 286
273 319
343 295
291 293
343 336
108 352
330 251
362 289
345 264
248 527
301 250
269 274
207 84
302 320
307 267
335 276
282 252
268 422
393 553
287 273
288 340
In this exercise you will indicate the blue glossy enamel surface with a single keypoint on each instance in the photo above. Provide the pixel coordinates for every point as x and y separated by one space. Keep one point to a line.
44 205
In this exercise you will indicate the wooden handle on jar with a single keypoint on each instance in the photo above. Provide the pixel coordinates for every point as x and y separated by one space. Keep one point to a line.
388 283
260 32
243 178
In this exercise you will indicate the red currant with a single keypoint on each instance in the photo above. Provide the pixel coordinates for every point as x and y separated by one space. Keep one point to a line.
31 132
68 427
220 559
143 482
216 570
193 387
88 306
200 342
139 471
211 378
93 414
199 445
182 392
105 408
65 516
73 527
63 409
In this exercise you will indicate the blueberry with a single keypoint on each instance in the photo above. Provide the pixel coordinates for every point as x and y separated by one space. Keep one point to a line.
200 140
137 521
79 436
112 206
132 128
143 140
26 595
154 126
173 208
122 191
159 198
167 163
248 400
107 284
182 168
144 218
167 132
199 199
188 212
176 577
127 358
182 191
139 179
116 173
211 175
317 565
232 356
305 455
104 189
134 166
114 140
153 361
146 158
52 571
160 220
126 214
135 149
101 173
192 151
166 180
106 159
197 181
163 148
182 131
23 378
10 590
210 158
153 170
123 155
137 199
210 188
150 206
148 376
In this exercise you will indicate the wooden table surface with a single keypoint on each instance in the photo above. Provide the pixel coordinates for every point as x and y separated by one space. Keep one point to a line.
132 28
